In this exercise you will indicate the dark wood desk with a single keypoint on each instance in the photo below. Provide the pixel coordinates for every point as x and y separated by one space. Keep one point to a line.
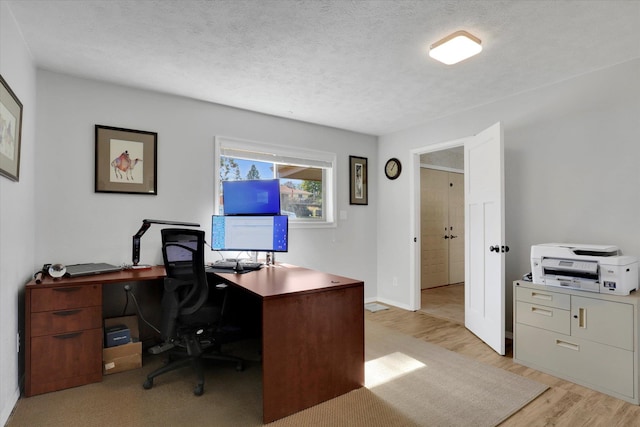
63 329
312 333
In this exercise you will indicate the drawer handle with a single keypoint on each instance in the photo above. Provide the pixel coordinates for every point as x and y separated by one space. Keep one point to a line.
74 289
68 336
568 345
541 311
582 318
545 297
66 313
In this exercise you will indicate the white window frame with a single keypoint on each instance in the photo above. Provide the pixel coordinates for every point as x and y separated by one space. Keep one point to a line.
285 155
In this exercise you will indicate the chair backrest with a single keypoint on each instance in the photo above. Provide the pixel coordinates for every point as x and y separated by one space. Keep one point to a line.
183 254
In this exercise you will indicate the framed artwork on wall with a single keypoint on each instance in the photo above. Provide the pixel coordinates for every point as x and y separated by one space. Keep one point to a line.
358 181
126 161
10 132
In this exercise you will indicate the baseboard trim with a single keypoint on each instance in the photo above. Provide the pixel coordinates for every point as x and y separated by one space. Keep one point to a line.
10 407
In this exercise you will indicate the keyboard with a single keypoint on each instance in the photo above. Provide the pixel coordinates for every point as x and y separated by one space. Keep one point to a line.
231 265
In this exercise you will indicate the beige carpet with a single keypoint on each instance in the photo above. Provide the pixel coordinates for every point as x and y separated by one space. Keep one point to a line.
409 383
436 387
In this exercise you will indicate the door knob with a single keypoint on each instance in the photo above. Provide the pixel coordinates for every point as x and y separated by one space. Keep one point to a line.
446 236
505 249
494 248
453 237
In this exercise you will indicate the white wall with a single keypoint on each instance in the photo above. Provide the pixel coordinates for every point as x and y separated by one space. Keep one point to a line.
74 224
17 212
572 160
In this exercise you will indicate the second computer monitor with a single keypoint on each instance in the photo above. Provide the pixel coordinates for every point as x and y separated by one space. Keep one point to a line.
251 197
250 233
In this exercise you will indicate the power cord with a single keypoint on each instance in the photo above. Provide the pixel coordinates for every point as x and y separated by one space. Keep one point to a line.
128 291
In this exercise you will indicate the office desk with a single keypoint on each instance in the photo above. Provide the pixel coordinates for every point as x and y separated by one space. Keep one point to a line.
63 329
312 333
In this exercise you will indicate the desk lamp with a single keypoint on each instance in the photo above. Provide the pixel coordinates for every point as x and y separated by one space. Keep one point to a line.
146 223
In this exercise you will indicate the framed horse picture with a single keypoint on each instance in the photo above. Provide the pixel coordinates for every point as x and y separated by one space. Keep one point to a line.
126 161
10 132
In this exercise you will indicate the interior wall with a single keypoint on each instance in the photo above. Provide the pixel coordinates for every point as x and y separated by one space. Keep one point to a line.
17 211
74 224
449 159
571 172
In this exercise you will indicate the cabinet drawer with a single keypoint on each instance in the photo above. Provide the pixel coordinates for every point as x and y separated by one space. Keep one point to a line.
59 321
604 368
65 297
550 299
606 322
550 318
60 357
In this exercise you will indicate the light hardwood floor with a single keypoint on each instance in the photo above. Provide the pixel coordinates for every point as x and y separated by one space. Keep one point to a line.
446 302
563 404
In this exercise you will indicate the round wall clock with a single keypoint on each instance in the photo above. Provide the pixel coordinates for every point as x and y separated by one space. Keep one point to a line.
392 168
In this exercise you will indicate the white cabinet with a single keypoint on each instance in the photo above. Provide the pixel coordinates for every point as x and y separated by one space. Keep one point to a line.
588 338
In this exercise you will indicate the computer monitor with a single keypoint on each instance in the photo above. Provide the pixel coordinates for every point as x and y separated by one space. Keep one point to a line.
250 233
251 197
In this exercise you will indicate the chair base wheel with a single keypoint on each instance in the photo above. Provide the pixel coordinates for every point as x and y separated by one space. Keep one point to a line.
148 384
198 390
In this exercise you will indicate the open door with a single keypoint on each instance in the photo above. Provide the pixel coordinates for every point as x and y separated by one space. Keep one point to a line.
484 238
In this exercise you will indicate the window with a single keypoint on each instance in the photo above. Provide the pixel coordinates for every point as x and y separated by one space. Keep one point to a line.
307 177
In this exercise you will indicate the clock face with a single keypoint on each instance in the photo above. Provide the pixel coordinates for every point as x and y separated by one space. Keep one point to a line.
393 168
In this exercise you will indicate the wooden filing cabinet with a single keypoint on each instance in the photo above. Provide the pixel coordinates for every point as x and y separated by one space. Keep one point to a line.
63 336
587 338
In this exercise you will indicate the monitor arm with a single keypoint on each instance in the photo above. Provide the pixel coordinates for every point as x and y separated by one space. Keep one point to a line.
146 223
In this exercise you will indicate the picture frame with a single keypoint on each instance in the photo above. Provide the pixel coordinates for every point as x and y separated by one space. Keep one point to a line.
10 132
358 181
126 161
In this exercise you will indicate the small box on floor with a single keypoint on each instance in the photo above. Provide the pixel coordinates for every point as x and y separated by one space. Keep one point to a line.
122 357
116 335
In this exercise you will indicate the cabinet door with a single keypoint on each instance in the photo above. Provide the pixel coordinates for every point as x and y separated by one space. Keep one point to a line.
65 297
541 316
604 368
58 357
606 322
59 321
546 298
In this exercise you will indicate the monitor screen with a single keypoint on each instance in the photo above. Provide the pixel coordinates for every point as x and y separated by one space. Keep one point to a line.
177 253
251 197
250 233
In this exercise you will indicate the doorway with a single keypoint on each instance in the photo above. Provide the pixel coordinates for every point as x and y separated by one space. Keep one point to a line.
485 246
442 233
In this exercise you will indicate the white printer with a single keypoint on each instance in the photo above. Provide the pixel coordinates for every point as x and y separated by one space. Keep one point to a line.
595 268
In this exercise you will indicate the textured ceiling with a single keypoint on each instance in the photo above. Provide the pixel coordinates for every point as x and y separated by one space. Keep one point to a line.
360 65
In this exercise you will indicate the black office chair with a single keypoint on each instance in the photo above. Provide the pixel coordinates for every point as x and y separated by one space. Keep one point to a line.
190 322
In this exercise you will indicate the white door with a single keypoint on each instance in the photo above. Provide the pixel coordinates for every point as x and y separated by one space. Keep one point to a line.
485 248
441 227
434 228
456 227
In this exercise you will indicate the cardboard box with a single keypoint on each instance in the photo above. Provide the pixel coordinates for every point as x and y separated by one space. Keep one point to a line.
123 357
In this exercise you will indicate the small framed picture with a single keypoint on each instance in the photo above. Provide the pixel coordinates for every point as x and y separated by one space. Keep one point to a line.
126 161
358 181
10 132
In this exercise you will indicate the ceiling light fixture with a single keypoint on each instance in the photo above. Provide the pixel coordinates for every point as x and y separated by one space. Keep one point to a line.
455 47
